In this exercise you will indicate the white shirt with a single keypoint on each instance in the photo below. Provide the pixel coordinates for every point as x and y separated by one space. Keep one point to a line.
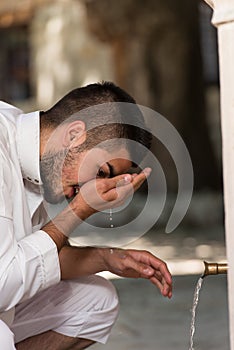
28 256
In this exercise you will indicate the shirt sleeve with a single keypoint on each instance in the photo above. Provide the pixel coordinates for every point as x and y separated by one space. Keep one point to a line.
27 266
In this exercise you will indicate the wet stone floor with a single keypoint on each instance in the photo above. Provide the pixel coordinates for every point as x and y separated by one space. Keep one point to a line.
147 321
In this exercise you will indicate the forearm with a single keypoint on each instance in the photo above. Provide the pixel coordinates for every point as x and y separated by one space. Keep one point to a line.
60 228
81 261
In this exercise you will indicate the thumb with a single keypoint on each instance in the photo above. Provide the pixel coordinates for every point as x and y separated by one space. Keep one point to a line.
143 270
147 271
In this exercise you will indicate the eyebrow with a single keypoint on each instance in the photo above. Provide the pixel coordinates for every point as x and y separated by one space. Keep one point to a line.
111 169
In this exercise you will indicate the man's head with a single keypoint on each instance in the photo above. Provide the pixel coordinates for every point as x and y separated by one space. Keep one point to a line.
99 117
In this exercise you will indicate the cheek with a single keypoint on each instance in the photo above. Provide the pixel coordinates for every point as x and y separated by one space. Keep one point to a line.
86 173
77 174
69 175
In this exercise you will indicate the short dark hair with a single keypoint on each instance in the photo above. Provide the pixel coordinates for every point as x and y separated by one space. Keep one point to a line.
108 112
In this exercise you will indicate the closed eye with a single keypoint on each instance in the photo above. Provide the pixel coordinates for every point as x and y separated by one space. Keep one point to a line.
102 174
105 171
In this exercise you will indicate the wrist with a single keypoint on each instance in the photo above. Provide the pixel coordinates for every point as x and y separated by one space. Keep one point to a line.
102 258
57 236
81 209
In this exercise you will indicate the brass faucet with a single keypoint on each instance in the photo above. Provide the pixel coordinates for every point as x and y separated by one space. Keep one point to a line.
214 268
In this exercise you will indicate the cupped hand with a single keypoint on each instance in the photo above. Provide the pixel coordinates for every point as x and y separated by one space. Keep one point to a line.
139 264
101 194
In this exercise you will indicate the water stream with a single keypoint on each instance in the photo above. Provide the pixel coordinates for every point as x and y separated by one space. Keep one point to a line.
195 303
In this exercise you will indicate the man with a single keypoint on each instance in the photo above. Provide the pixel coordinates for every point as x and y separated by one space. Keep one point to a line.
50 297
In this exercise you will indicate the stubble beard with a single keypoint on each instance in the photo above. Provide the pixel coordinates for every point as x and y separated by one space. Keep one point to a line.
51 166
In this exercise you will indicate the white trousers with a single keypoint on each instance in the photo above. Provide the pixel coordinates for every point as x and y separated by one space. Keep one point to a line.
84 308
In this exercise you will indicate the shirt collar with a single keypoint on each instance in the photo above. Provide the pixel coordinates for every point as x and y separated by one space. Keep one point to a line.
28 144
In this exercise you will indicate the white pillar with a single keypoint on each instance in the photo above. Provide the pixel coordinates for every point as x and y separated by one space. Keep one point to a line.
223 19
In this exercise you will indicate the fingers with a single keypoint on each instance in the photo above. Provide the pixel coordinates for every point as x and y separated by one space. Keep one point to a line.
120 180
138 263
163 286
128 185
136 180
101 194
140 178
162 281
160 276
160 266
138 269
141 269
119 188
126 266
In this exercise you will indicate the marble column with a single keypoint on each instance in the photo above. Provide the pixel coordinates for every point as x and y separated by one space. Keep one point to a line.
223 19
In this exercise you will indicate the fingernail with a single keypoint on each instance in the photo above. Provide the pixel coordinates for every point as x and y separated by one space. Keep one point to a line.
127 178
147 171
147 271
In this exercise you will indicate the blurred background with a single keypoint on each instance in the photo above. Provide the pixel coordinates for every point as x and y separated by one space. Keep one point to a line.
165 54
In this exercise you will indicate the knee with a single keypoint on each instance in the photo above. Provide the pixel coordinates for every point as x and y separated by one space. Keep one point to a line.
7 337
106 296
105 309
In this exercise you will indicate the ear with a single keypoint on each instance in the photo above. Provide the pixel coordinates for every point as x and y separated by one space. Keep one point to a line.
74 134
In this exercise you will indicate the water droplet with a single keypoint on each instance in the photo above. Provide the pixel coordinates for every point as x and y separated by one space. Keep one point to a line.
111 218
